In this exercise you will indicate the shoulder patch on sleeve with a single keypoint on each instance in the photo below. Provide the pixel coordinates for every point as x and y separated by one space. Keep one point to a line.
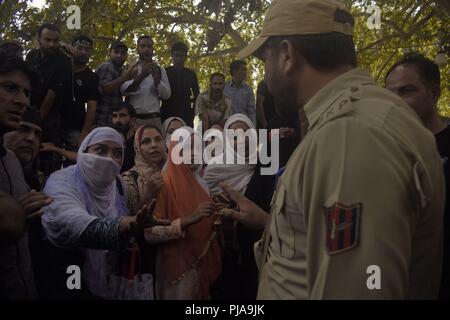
342 227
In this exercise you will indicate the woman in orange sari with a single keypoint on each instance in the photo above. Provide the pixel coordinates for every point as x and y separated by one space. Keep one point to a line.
187 266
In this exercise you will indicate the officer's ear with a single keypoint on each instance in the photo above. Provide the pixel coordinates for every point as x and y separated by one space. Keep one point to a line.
288 59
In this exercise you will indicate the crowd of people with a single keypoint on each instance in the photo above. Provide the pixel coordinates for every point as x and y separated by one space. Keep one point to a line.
87 177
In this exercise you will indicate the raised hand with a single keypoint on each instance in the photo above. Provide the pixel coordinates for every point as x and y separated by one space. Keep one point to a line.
147 69
155 183
130 72
204 210
32 204
156 73
247 212
146 219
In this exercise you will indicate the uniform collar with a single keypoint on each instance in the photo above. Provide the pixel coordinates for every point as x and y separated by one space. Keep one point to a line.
330 92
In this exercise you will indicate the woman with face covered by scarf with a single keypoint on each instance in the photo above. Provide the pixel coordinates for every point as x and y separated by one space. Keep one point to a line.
187 266
89 208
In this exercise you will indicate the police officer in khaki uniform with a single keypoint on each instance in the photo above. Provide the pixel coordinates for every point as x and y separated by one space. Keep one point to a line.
358 212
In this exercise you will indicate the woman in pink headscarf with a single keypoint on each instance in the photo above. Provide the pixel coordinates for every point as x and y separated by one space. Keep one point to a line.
144 180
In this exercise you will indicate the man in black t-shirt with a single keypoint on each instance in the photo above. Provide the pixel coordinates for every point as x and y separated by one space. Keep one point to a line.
183 85
416 80
78 118
55 71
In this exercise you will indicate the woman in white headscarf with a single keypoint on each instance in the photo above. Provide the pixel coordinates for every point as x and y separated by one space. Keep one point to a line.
245 177
235 174
169 126
89 208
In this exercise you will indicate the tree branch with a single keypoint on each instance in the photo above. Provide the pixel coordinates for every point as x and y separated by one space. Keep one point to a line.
216 53
444 5
131 18
184 16
385 21
388 60
378 42
425 5
103 38
403 36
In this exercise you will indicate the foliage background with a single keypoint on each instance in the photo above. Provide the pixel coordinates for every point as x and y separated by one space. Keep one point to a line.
216 29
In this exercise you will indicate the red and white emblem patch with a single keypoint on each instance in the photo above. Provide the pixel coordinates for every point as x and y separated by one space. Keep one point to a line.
342 227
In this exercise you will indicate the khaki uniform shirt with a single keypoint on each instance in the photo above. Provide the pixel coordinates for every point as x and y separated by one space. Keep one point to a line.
364 188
